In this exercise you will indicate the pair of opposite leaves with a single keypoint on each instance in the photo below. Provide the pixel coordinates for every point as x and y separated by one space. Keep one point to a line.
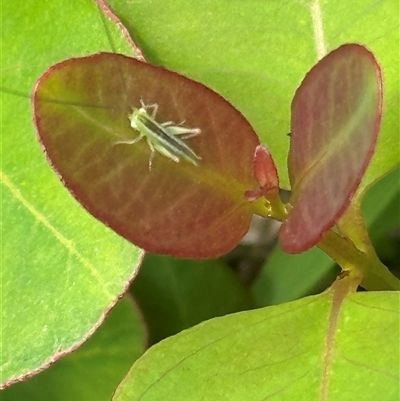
82 108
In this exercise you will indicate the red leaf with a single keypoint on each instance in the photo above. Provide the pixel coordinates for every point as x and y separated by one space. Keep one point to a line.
81 109
266 174
336 116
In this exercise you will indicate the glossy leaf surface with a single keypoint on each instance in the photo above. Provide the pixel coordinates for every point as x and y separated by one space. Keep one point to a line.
93 371
256 67
61 269
313 349
336 116
174 208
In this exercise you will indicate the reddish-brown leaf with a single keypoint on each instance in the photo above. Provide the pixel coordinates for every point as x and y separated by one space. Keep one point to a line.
81 108
266 174
336 116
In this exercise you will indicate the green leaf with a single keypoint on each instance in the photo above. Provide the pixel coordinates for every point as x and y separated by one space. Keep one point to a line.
62 270
256 56
305 350
251 58
93 371
26 56
336 116
176 294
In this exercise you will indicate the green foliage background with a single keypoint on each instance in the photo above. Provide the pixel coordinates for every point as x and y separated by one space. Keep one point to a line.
62 269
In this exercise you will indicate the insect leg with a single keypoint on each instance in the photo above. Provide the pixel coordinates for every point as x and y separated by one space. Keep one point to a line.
151 153
153 147
169 123
154 107
128 141
187 132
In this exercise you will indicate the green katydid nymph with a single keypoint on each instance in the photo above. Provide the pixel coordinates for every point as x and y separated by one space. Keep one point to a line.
162 137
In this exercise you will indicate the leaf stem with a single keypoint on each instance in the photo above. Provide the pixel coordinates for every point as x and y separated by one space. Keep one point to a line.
364 267
349 246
